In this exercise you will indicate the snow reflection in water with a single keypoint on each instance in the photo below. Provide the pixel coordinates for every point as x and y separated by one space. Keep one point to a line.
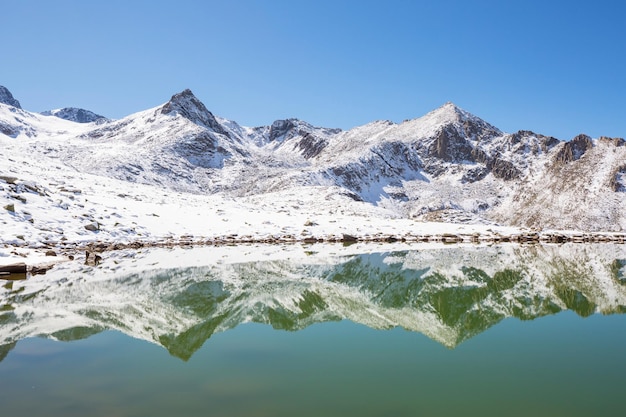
449 294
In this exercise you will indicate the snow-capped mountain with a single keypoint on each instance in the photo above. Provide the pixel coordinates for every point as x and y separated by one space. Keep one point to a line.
448 165
448 294
177 144
75 115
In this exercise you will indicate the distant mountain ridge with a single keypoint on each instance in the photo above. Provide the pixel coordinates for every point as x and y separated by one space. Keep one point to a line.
75 115
447 165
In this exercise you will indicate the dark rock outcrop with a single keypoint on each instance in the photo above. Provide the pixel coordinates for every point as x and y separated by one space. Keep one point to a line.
545 143
280 128
7 129
503 169
618 179
574 149
308 140
310 146
7 98
451 146
203 150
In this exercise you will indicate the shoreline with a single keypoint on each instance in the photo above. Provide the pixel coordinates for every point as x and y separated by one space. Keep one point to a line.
38 258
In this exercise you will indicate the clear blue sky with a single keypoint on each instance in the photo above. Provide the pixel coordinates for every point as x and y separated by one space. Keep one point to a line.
554 67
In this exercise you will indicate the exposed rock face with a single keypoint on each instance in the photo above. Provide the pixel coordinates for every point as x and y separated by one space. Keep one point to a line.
618 180
203 150
545 142
188 106
450 146
7 98
75 115
296 135
613 141
475 174
503 169
311 146
574 149
280 128
7 129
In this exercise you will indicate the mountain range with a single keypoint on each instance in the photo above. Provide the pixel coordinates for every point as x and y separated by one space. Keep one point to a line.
448 165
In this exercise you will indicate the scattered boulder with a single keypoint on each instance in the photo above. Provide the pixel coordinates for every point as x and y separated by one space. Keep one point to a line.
349 238
40 270
8 179
92 227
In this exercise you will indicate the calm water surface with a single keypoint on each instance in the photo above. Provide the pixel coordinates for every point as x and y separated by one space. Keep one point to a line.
479 333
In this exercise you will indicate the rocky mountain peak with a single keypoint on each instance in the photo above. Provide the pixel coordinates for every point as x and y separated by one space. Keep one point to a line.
449 112
280 128
456 136
469 125
75 115
7 98
452 108
188 106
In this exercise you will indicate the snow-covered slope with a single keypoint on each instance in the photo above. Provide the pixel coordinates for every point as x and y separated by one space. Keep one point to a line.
579 187
447 166
179 298
177 145
20 124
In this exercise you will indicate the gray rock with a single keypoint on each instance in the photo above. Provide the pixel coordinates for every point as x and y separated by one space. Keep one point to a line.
7 98
92 227
75 115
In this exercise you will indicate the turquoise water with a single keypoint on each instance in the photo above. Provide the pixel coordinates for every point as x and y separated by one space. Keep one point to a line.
557 361
555 366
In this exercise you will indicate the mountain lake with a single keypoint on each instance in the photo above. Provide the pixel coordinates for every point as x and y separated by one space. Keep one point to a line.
320 331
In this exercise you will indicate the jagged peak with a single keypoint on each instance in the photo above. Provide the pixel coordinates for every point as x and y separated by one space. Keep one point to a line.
183 95
184 101
282 126
292 122
188 106
7 98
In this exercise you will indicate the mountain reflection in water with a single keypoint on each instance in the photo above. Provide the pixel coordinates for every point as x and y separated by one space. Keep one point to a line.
449 294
